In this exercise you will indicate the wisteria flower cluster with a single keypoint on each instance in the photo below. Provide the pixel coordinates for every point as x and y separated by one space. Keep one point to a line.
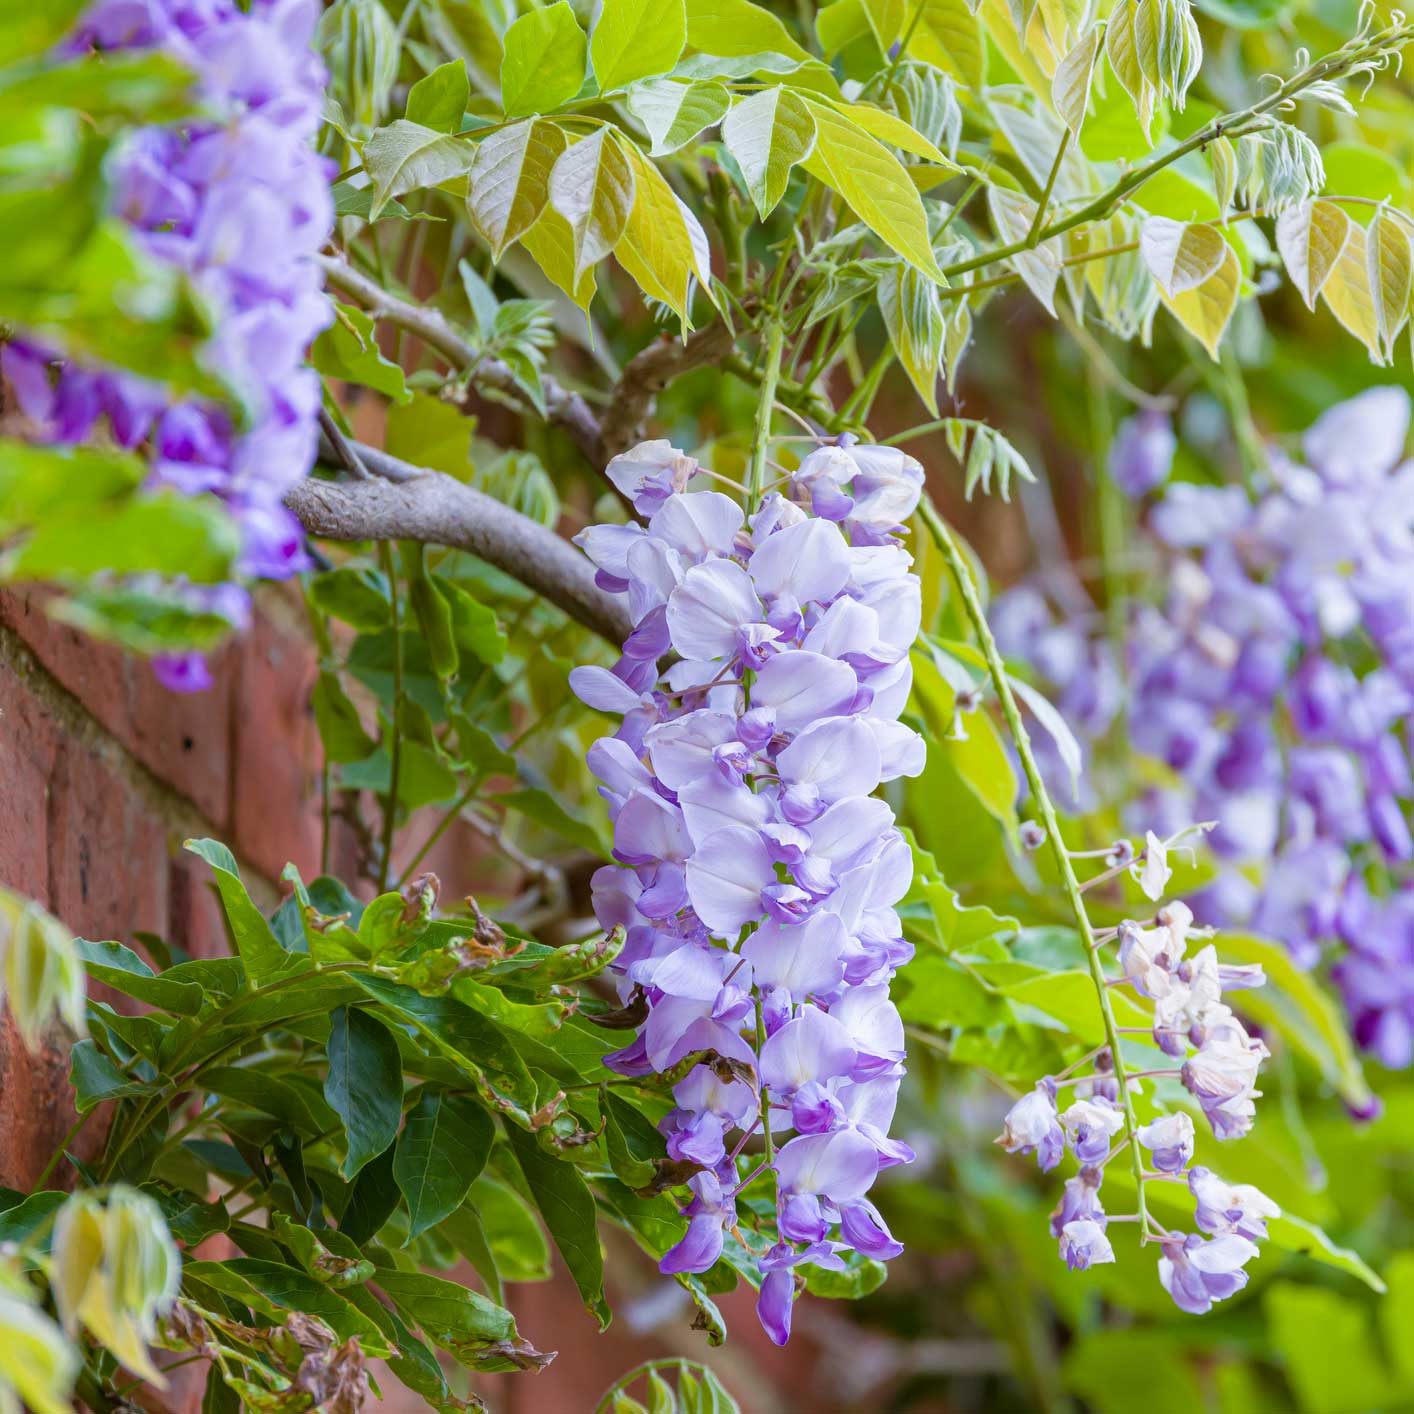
239 202
1276 681
757 872
1218 1064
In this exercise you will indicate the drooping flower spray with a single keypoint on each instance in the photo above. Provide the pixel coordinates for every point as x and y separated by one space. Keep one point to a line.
238 201
757 871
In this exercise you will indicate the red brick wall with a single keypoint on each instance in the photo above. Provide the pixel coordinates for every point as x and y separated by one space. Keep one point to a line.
103 773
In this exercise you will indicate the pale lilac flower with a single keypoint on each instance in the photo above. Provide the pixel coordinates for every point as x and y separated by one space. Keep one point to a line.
1083 1244
1196 1272
1032 1126
1230 1207
1169 1140
1142 452
1090 1125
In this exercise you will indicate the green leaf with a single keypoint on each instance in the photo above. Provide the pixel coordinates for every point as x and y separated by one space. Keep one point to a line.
1039 267
439 100
348 350
510 182
441 1151
95 1078
30 31
663 245
914 319
297 1105
1070 89
372 1200
634 1145
543 65
1307 1326
256 944
516 1239
356 596
568 1209
732 28
1180 255
272 1290
674 112
874 183
472 1042
122 969
364 1086
635 39
948 35
21 1217
474 625
859 1278
155 618
38 483
160 532
1206 310
768 134
481 1334
543 808
340 729
406 157
550 243
591 186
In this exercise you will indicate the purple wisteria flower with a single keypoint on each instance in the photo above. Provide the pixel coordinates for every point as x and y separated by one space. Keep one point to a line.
1275 682
756 873
239 202
1141 454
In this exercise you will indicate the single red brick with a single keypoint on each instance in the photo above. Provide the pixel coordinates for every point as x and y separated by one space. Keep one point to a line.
28 742
277 753
184 738
107 852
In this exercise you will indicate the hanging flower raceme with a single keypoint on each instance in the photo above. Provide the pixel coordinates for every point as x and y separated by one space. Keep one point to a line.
757 872
1217 1064
239 202
1276 683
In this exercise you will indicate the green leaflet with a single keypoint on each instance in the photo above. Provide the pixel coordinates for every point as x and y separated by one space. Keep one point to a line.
441 1151
364 1086
568 1209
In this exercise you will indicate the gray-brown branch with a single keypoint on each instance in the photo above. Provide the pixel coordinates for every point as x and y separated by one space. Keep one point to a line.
404 502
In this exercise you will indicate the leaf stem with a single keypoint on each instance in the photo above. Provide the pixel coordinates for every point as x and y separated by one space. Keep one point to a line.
942 538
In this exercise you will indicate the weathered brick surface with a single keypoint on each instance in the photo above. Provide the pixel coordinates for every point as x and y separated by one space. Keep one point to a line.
276 741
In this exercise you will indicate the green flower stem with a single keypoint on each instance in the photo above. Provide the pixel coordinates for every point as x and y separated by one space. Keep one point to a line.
765 406
943 539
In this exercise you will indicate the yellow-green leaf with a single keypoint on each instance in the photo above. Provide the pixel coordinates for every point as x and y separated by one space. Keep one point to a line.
874 183
1039 268
1347 293
1206 309
591 186
1222 157
768 134
913 316
543 64
663 245
948 36
673 113
634 39
728 28
1180 255
1388 262
1310 237
1132 44
550 244
893 130
510 183
1070 89
405 156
